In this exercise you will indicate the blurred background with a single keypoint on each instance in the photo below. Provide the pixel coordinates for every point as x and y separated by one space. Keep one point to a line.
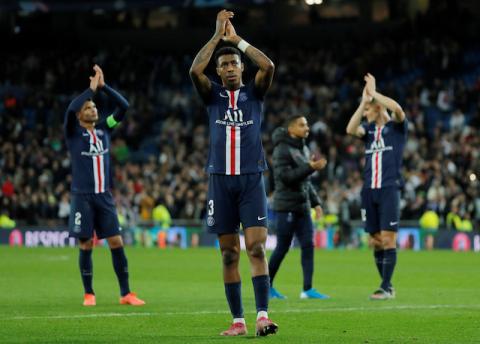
425 54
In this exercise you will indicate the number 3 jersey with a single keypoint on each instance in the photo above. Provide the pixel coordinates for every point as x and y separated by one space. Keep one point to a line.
235 119
383 154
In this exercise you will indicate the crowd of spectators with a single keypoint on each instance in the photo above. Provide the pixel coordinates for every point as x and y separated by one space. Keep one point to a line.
160 150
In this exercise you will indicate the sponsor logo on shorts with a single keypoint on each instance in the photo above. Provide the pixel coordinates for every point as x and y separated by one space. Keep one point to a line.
393 223
261 218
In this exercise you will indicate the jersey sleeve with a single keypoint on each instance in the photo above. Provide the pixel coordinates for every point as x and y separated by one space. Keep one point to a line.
121 103
365 127
215 87
251 86
75 106
401 127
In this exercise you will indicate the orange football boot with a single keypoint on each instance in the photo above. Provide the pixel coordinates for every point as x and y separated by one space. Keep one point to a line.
89 300
131 299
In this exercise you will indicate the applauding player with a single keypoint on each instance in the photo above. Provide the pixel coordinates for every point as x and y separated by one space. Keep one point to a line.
93 207
236 193
384 138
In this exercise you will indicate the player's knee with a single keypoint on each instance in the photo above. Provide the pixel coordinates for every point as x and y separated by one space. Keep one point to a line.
257 250
388 242
230 257
85 243
376 242
115 241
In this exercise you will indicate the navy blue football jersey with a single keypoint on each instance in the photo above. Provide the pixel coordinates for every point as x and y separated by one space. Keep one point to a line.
235 119
90 149
90 155
383 154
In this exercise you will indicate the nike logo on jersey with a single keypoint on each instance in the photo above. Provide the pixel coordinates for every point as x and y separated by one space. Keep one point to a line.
261 218
85 134
223 94
393 223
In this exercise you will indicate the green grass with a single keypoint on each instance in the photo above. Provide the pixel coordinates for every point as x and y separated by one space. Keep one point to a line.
438 299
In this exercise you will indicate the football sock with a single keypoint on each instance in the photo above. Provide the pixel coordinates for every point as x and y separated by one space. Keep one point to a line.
307 266
283 244
262 314
379 261
261 286
86 270
120 265
233 291
389 261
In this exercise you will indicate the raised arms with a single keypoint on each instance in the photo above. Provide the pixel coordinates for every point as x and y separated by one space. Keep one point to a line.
266 68
96 82
397 112
77 103
354 125
120 101
199 79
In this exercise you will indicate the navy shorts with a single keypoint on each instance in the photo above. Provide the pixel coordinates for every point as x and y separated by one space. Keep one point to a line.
381 209
91 212
235 200
298 224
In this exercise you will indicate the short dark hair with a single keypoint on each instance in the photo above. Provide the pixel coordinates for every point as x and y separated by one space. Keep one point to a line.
86 100
292 118
227 51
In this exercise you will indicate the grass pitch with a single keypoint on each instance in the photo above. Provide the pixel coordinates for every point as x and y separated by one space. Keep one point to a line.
438 299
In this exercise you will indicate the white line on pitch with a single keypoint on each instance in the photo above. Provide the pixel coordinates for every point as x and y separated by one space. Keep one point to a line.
306 310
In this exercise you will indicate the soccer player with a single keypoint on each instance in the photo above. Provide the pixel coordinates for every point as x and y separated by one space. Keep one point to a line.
384 138
236 192
293 199
92 204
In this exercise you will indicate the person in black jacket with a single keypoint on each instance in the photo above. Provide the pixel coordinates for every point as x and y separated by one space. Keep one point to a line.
293 199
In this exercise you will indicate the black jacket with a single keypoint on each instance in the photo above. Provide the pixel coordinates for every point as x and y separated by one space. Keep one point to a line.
291 171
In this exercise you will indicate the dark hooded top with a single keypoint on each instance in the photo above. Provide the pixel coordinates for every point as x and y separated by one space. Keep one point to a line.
291 170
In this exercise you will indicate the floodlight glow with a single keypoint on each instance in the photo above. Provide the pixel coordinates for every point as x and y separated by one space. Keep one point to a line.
473 177
310 2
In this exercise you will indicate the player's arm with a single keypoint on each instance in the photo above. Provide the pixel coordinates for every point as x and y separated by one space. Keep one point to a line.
120 101
315 201
266 68
354 126
77 103
314 198
287 170
200 63
397 112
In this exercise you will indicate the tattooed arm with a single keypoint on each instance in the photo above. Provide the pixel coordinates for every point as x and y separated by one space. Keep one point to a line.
199 79
264 76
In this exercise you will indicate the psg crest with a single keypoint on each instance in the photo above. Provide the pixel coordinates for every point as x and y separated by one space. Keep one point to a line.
210 221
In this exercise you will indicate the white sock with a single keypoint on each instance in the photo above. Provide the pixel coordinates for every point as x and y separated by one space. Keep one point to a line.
262 314
239 320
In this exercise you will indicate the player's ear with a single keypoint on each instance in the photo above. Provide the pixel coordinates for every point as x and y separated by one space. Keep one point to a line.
218 69
243 66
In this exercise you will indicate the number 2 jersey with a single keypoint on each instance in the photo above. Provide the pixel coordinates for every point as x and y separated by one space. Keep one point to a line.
90 149
235 120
